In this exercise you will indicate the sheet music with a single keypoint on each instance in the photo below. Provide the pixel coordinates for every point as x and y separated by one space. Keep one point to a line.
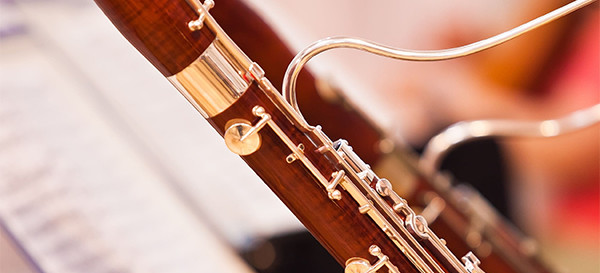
78 198
104 167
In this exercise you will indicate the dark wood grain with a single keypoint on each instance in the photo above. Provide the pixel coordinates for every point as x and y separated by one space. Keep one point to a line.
260 42
159 31
245 27
453 226
338 225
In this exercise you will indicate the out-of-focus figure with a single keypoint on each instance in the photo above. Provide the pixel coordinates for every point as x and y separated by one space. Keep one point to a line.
544 74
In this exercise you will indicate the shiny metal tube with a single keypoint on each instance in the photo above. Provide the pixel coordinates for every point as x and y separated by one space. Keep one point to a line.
461 132
294 68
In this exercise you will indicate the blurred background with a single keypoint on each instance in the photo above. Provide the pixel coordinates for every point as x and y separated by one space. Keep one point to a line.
105 168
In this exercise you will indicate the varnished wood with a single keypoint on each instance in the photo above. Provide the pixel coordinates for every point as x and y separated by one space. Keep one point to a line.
159 31
454 226
338 225
245 27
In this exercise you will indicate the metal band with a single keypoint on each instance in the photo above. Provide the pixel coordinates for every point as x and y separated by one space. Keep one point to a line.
220 75
211 83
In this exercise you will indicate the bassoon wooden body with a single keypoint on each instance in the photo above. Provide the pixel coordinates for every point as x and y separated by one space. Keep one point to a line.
460 214
341 201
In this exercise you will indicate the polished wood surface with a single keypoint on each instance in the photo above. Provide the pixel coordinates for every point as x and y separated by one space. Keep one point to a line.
159 31
260 42
497 246
245 27
338 225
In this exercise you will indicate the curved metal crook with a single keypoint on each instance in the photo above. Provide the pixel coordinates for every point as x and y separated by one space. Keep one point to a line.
294 68
463 131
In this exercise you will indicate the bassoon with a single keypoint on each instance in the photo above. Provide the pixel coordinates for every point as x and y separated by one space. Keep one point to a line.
458 214
354 213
